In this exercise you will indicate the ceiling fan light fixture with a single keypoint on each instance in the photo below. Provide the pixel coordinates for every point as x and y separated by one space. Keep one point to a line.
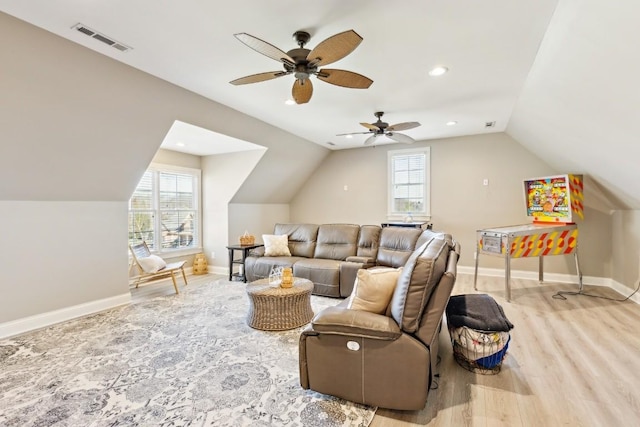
438 71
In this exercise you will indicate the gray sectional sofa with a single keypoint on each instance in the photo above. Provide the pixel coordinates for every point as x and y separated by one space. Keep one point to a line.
330 255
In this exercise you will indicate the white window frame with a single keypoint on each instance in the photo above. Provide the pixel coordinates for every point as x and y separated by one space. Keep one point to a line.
158 168
392 213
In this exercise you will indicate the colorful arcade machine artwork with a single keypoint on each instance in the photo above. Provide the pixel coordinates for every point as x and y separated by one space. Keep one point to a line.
553 203
554 198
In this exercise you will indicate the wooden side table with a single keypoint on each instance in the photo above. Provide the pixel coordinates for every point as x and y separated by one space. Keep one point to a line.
272 308
244 252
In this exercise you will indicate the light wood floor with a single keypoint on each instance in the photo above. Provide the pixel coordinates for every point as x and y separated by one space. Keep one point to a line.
573 362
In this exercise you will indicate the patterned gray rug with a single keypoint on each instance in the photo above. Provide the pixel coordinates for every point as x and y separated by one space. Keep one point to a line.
180 360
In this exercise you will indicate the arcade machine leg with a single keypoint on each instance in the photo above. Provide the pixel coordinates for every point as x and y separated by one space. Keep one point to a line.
475 275
507 277
575 255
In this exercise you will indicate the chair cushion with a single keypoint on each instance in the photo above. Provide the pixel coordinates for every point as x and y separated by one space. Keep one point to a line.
276 245
419 277
152 263
373 289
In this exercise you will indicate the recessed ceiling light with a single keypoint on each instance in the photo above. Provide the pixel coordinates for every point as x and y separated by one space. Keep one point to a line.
180 144
348 136
452 123
289 102
438 71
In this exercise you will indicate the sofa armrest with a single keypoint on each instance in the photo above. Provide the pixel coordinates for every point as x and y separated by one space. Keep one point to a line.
356 323
367 262
257 252
348 274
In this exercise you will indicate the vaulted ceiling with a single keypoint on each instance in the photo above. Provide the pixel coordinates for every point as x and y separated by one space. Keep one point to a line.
557 75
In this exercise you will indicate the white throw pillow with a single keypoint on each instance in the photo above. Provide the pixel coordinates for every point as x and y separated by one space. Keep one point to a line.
152 263
373 289
276 245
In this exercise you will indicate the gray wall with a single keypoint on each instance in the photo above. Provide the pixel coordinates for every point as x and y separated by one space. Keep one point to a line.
78 127
460 203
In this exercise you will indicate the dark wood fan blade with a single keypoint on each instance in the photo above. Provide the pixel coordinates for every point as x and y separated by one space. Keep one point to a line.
255 78
334 48
403 126
370 126
400 137
302 91
371 139
264 48
344 78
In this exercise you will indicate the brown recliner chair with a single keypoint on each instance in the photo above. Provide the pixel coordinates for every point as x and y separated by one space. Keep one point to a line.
385 360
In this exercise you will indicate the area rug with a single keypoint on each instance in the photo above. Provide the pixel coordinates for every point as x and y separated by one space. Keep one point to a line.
179 360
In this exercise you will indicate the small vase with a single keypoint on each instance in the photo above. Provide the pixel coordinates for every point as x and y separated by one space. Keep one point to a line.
287 278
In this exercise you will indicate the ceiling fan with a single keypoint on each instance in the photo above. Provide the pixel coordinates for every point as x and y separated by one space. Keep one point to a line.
382 128
303 63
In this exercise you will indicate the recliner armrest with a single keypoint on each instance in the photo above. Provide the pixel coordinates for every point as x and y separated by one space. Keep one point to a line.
344 321
367 262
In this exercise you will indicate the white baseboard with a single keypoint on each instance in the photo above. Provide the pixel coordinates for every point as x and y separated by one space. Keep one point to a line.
555 277
215 269
19 326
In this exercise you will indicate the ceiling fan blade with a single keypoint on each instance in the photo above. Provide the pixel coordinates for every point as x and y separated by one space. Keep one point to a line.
255 78
302 91
371 139
370 126
403 126
400 137
264 48
344 78
334 48
354 133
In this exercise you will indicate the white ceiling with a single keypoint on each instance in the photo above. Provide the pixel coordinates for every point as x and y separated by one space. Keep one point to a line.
559 76
489 48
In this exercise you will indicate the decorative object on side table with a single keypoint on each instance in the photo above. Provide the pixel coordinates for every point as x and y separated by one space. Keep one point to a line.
247 239
200 265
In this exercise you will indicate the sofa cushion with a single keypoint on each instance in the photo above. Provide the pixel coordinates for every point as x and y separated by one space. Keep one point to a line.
417 281
152 263
368 241
396 245
373 289
337 241
324 273
256 268
302 238
276 245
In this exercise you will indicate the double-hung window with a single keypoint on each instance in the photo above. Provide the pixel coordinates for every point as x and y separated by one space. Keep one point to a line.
408 177
164 209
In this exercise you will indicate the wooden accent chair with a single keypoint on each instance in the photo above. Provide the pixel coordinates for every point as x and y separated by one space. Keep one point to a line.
140 254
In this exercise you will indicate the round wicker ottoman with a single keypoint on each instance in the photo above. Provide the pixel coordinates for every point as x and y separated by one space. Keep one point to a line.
272 308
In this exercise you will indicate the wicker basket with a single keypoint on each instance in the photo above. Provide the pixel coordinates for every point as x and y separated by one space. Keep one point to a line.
247 239
481 352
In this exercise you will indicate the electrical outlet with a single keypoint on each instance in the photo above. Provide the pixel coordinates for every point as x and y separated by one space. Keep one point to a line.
213 255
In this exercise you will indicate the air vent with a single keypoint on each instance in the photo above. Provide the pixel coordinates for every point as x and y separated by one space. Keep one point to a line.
490 124
101 37
331 143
